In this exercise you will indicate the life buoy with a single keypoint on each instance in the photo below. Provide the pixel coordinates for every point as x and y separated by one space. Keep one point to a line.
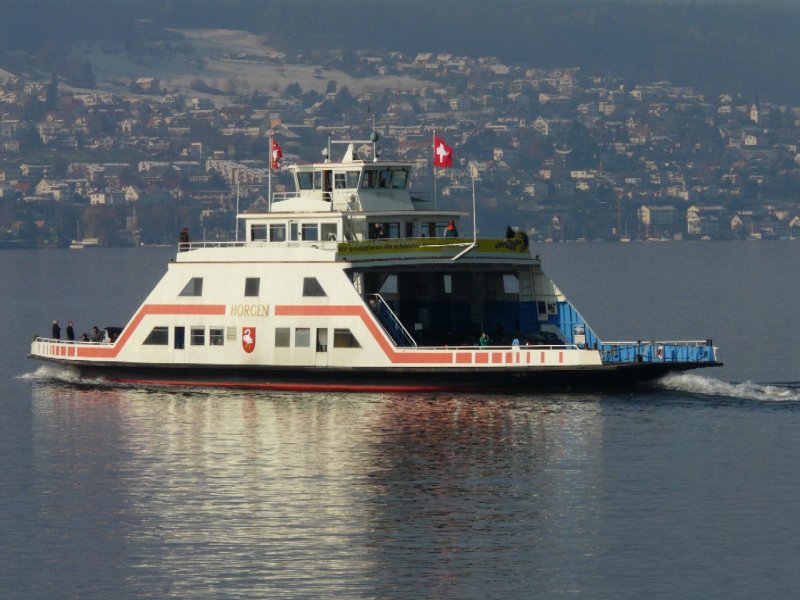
660 352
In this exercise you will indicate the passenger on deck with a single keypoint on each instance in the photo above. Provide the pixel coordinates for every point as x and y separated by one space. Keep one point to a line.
97 336
376 232
483 340
70 332
183 240
56 334
510 233
451 230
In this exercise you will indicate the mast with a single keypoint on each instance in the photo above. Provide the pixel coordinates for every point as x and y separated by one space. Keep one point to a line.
269 174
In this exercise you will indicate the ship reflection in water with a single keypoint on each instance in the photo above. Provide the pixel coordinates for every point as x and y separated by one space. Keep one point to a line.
245 494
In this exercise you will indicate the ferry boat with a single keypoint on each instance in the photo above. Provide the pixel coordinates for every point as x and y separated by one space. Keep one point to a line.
351 282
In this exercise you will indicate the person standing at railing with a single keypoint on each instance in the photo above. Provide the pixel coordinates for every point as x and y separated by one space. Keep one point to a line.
183 240
70 332
56 333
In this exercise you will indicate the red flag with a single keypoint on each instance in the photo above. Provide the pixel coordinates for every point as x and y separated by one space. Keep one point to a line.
277 154
442 153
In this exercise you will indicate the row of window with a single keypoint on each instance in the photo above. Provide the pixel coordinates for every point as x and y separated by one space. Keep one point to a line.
252 287
277 232
394 178
159 336
313 232
342 338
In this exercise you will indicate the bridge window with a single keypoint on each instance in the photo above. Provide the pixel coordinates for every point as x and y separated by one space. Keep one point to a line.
340 181
258 232
310 231
311 287
352 179
328 231
277 232
384 178
343 338
252 286
399 178
158 336
305 181
369 179
193 288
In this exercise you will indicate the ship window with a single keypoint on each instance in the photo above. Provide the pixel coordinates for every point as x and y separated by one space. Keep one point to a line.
328 231
384 178
317 180
302 337
310 231
216 337
391 230
231 334
158 336
277 232
399 178
282 337
193 288
304 181
258 232
339 180
448 284
343 338
352 179
311 287
251 286
197 336
370 177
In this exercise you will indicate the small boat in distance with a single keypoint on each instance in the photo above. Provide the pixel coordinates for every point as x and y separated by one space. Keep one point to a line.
352 282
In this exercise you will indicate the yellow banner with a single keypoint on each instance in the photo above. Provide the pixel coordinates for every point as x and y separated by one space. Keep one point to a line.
438 245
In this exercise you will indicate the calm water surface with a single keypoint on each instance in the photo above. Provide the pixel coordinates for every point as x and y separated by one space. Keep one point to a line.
685 491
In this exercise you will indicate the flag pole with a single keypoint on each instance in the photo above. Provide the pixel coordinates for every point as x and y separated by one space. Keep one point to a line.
269 176
434 168
236 217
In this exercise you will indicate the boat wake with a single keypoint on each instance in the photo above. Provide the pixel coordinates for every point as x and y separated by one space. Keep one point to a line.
47 373
708 386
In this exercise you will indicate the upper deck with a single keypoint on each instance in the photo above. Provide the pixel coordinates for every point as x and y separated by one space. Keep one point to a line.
361 197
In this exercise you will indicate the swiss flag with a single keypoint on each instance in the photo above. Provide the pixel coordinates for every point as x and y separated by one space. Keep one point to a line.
277 153
442 153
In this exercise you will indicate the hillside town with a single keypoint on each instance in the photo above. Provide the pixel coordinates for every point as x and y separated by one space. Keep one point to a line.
564 154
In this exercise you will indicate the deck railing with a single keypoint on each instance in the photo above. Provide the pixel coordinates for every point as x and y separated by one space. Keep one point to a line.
658 351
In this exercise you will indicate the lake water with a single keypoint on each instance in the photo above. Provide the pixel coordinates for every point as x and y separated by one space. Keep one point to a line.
686 491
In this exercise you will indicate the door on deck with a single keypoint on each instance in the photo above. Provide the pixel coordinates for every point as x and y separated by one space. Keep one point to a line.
321 356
